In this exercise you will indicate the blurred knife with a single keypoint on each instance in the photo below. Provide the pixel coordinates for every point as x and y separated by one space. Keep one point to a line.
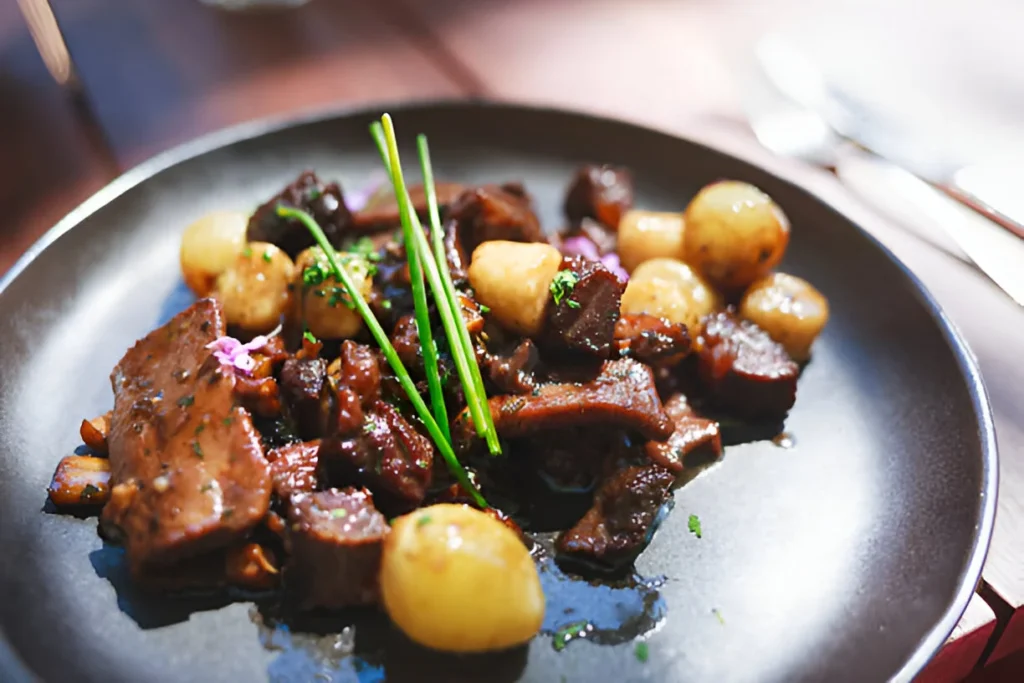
991 189
790 129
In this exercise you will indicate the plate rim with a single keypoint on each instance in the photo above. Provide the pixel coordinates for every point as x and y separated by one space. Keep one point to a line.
933 640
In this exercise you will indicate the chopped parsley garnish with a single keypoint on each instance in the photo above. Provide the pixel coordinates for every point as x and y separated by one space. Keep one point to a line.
314 274
88 491
206 487
693 524
484 309
339 295
308 336
200 427
267 256
368 427
364 247
227 513
338 513
423 521
718 615
566 634
197 449
247 252
642 652
572 304
227 421
386 304
186 401
313 194
563 284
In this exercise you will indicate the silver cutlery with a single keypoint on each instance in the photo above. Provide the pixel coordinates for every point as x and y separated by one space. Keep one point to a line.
785 124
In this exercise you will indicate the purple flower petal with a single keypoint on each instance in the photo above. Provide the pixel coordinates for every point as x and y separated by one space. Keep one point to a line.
612 263
585 247
581 246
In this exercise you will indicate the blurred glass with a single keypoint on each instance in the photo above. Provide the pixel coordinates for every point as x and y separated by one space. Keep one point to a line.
236 5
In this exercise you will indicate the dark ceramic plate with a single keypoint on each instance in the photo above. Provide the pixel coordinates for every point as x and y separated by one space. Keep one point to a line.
848 556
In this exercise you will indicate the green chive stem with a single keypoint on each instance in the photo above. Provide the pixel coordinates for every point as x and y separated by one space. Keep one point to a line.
422 314
390 354
437 235
386 142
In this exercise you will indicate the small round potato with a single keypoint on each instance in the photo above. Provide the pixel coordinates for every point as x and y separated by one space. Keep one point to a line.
514 280
209 246
735 234
789 309
670 289
324 306
254 290
644 235
455 579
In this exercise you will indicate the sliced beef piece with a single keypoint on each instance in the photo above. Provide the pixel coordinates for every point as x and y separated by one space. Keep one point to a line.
305 393
743 371
493 212
512 372
696 440
293 468
324 202
574 460
335 539
623 396
381 211
602 193
622 519
651 340
188 473
583 318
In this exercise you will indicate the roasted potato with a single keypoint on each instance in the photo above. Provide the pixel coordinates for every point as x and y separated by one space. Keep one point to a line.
735 234
454 578
789 309
209 246
644 235
670 289
255 289
514 280
324 306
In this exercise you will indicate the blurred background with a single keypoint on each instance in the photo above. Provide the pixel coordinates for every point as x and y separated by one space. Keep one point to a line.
90 88
145 75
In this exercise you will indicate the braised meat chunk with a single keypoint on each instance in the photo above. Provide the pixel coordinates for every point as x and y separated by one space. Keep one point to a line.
602 193
293 468
695 441
651 340
80 481
369 441
623 396
582 318
743 371
512 372
381 210
494 212
324 202
304 390
334 539
622 519
187 469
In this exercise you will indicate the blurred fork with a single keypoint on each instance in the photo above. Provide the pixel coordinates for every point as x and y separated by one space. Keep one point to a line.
790 129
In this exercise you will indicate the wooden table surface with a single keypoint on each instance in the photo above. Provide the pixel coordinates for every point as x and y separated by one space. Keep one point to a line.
155 74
